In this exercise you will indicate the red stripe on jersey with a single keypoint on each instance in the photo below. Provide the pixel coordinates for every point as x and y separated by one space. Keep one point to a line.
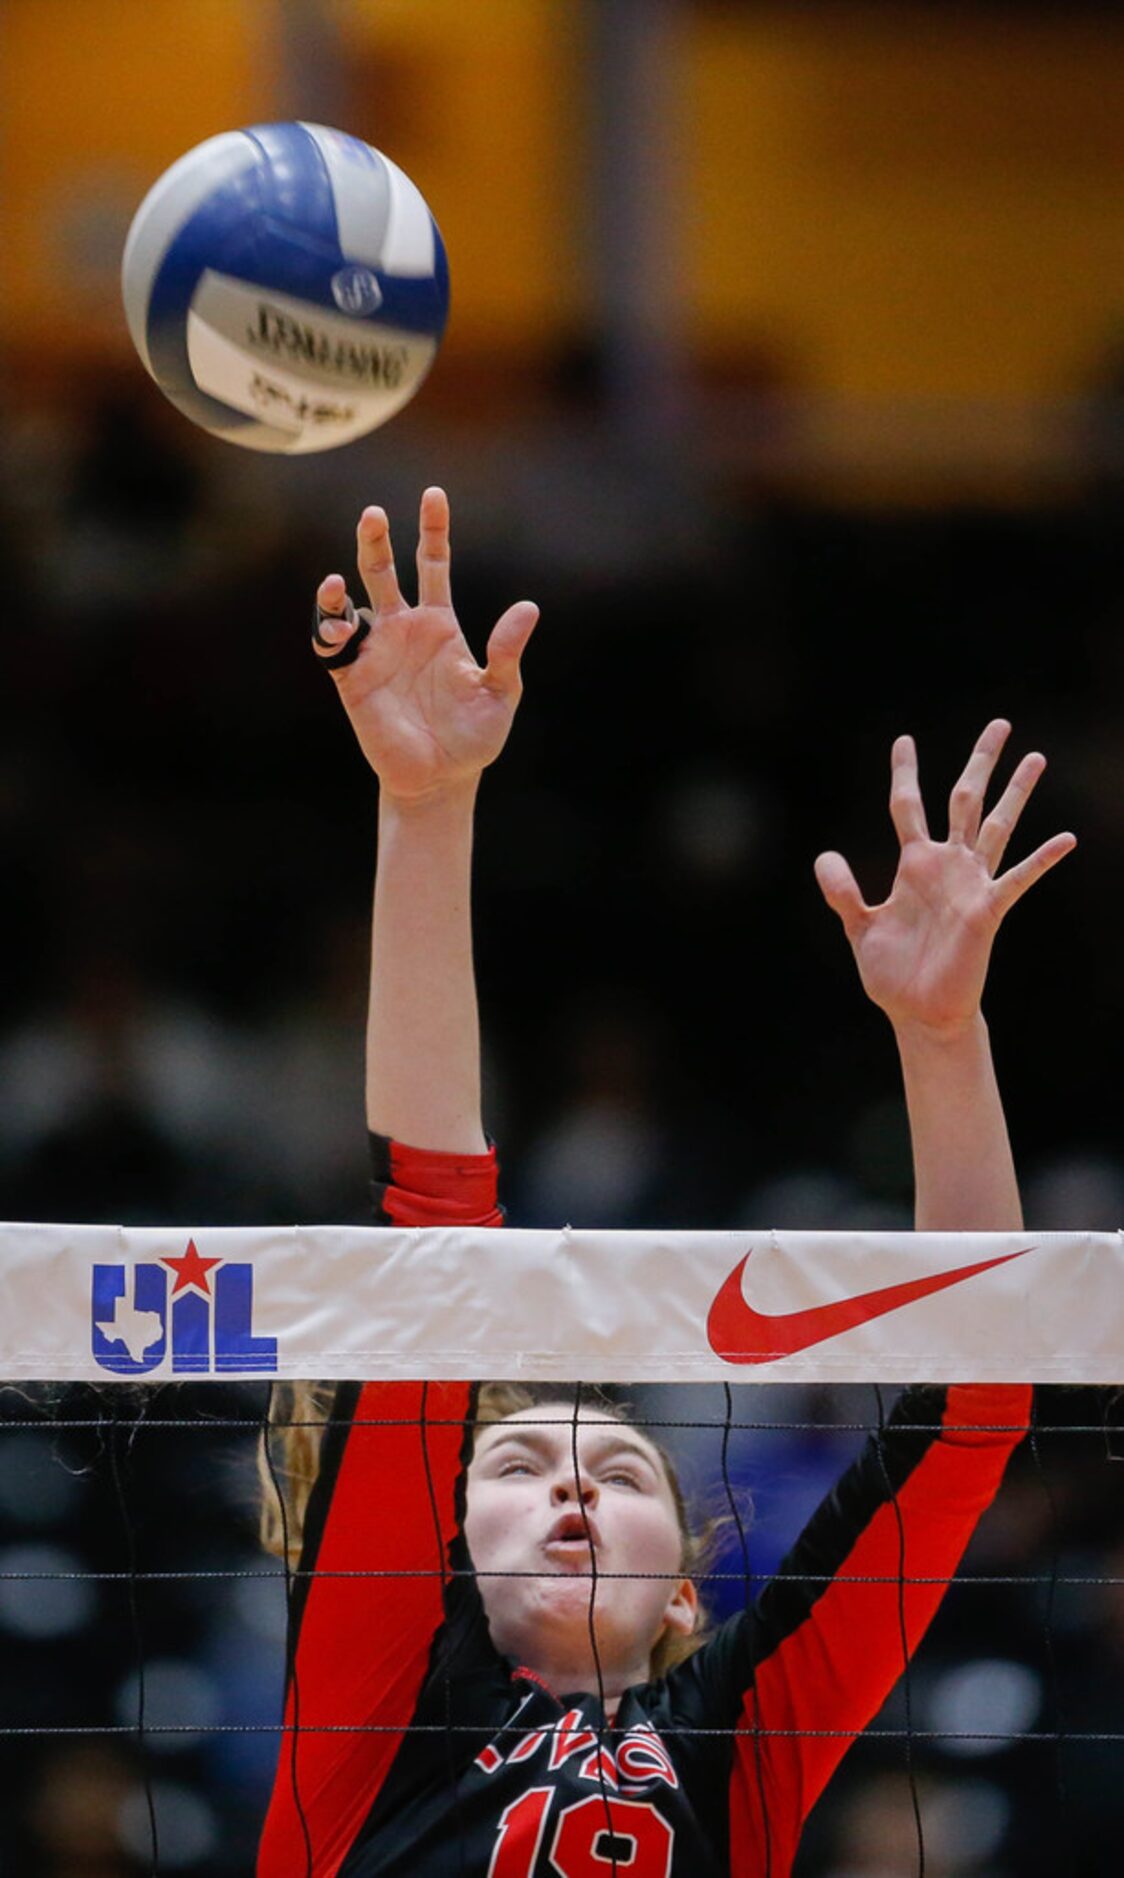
364 1643
835 1670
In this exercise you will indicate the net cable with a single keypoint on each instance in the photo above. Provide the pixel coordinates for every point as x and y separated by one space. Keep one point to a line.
591 1617
117 1472
903 1632
747 1581
292 1678
1062 1837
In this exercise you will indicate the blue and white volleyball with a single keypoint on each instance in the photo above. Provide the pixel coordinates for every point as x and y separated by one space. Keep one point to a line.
286 287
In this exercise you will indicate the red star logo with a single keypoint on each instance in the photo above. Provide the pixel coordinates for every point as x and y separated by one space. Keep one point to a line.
190 1269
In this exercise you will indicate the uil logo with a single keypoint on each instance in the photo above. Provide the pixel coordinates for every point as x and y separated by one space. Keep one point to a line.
207 1319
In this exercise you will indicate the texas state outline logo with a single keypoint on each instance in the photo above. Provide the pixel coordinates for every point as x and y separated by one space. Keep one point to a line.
205 1323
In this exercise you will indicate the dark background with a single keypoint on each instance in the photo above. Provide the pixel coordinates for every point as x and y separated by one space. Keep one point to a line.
757 563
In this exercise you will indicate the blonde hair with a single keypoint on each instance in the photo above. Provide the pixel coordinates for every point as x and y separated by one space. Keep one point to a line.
289 1463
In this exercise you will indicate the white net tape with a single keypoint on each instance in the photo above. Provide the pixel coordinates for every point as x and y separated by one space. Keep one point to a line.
104 1303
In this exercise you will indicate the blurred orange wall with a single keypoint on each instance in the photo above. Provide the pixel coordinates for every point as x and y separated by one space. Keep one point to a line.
97 97
909 202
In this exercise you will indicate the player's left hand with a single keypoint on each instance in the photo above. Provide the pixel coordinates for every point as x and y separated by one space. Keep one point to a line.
923 953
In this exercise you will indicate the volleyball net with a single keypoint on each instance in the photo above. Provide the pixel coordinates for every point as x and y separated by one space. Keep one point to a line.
762 1361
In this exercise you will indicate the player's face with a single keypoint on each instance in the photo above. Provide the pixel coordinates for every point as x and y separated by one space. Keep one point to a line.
532 1513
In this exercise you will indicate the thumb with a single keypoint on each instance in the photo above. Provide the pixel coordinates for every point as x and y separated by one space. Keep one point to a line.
506 643
840 889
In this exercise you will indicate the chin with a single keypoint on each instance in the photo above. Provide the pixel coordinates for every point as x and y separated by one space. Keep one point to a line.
554 1615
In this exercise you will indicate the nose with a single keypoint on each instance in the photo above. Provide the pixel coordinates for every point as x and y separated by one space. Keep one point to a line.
578 1489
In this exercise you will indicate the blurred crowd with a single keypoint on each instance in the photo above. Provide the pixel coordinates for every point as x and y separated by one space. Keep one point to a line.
674 1034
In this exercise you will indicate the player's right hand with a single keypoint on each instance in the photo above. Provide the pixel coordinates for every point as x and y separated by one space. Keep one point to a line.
427 716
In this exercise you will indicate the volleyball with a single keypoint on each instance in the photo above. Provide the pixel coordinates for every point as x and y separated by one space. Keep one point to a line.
286 287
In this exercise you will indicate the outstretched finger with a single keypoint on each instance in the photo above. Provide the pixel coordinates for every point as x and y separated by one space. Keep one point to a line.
1019 879
506 644
998 827
376 561
433 550
907 811
965 804
841 891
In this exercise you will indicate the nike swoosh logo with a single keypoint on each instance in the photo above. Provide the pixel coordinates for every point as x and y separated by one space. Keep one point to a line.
740 1334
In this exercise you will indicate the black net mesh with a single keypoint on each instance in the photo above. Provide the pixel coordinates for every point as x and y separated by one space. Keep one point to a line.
144 1630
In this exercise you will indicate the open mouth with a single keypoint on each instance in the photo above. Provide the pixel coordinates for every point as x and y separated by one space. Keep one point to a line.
572 1536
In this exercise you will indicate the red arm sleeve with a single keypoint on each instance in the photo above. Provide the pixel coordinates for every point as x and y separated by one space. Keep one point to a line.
384 1503
829 1652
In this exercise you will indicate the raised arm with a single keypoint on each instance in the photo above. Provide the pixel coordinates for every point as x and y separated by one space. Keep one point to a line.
923 957
856 1594
429 720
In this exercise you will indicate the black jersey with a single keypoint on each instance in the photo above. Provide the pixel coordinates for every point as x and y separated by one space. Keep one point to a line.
421 1753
